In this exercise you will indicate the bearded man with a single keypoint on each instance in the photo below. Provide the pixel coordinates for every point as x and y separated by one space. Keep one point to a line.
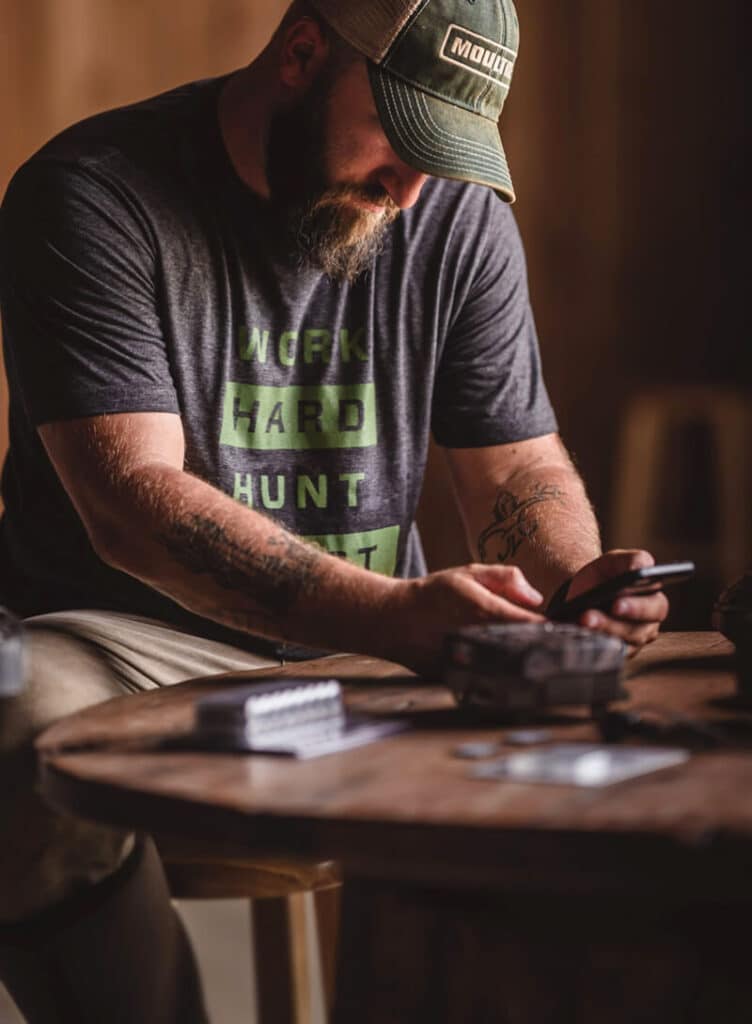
233 315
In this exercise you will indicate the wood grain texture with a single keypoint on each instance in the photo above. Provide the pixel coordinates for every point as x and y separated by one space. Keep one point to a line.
212 870
405 807
469 902
432 954
274 970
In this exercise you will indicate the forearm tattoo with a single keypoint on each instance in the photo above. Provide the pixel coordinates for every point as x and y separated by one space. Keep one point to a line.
514 522
274 576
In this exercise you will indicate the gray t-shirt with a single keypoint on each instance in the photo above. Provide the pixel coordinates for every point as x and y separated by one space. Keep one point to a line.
137 273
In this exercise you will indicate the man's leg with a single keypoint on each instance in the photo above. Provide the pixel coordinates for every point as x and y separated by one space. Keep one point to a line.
87 932
115 952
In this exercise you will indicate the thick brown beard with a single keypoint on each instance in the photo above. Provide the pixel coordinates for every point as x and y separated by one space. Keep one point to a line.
321 224
341 238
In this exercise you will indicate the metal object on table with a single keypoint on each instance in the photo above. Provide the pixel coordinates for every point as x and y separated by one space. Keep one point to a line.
300 718
531 667
580 764
527 737
653 724
12 655
476 751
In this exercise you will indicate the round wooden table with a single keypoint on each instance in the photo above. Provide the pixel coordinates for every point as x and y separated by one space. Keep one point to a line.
470 900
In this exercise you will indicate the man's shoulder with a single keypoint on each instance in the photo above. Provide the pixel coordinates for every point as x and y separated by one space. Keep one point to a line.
144 133
150 120
455 211
133 156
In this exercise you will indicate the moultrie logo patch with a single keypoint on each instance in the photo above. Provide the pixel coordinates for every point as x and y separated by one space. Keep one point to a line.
475 53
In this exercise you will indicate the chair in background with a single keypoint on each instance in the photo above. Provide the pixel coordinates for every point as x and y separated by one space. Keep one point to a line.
295 913
651 423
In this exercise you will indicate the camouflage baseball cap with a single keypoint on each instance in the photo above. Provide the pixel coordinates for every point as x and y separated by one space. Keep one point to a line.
440 72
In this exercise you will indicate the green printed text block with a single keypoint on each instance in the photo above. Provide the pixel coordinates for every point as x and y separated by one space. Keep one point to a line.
296 418
376 550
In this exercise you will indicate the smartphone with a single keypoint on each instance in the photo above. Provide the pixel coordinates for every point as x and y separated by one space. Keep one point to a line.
639 581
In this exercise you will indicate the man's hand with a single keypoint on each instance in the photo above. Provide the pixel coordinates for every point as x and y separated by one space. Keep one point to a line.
423 611
634 619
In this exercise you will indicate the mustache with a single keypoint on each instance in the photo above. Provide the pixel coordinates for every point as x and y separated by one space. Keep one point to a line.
375 194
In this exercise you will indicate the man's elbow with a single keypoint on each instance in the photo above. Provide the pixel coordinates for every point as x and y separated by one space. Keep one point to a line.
115 542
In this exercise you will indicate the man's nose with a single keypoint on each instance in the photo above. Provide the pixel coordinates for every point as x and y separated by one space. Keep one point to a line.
403 183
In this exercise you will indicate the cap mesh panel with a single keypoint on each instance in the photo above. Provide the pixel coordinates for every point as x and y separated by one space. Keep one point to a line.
370 27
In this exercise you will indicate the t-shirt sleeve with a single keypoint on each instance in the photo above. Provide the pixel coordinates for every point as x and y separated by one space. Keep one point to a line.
489 385
78 291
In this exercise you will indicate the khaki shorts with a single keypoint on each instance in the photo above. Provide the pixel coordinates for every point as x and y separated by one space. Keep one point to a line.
76 659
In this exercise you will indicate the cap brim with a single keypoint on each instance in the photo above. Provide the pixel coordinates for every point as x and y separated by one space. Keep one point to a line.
440 138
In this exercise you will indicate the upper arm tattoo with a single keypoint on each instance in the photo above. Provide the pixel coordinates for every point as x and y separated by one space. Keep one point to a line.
514 522
274 574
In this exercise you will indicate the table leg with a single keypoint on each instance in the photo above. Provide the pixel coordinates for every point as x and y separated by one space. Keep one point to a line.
328 908
272 961
294 948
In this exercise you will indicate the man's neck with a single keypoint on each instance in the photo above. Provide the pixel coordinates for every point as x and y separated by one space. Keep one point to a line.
243 121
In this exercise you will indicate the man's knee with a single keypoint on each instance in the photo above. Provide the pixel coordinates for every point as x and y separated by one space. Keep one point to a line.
45 856
64 674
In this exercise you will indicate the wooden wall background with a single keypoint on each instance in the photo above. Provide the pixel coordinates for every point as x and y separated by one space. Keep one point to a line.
626 136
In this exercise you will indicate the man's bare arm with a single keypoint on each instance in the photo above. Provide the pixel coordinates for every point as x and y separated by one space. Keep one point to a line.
148 517
525 504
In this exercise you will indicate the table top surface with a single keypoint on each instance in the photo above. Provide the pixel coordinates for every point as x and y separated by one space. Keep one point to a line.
407 807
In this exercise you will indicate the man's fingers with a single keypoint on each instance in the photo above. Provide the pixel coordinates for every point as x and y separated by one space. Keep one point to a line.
509 582
506 611
506 607
636 634
645 608
606 567
622 560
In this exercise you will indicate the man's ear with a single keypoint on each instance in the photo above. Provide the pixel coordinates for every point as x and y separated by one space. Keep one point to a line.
304 53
